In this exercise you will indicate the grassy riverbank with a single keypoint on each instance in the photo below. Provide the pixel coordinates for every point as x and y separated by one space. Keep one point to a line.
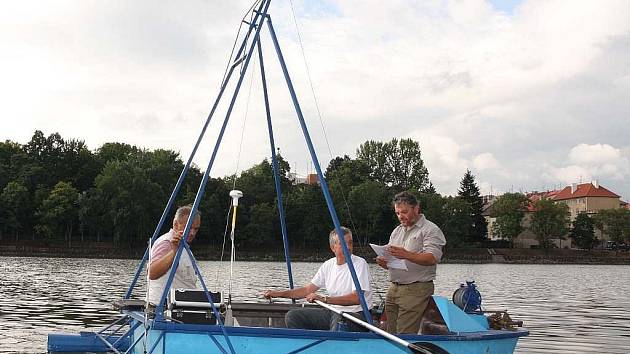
205 252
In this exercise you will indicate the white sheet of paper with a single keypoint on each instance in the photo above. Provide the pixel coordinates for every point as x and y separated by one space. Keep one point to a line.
392 262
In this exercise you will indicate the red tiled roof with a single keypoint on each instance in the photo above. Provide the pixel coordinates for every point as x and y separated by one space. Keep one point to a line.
537 196
584 190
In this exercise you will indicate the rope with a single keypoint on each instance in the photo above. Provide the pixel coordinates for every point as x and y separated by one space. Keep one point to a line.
238 33
146 309
240 145
227 223
319 114
233 254
238 160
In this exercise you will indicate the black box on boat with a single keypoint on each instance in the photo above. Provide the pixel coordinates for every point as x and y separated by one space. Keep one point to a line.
192 306
193 316
193 298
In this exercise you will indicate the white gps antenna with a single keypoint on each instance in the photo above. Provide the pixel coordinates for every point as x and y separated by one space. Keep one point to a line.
235 194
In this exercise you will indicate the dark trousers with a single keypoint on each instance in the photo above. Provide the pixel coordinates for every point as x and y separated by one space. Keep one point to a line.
321 319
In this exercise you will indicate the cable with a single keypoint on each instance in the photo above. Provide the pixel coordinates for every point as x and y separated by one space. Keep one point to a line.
227 222
249 11
240 146
319 114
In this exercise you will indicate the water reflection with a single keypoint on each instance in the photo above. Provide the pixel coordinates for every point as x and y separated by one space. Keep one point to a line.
567 308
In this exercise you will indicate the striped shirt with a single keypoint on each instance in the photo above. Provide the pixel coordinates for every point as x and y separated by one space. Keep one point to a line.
185 277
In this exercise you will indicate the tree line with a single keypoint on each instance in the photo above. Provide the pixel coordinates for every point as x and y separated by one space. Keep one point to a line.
551 220
58 190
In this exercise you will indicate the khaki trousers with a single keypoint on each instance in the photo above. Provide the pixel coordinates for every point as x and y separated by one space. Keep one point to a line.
405 304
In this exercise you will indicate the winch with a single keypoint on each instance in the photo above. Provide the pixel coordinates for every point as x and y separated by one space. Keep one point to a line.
468 298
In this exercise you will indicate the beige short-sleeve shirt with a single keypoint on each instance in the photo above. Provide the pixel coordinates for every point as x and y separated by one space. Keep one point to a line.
423 236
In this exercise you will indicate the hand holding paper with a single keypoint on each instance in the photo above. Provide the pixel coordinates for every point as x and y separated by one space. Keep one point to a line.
392 262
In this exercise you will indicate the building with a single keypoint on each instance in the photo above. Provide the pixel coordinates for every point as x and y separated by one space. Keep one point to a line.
488 214
586 197
310 179
527 239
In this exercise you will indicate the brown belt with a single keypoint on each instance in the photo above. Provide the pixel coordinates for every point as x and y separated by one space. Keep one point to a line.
413 282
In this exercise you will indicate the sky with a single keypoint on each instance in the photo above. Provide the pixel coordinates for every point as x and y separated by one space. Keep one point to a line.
529 95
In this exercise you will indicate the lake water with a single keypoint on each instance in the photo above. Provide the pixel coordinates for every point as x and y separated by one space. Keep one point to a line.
567 308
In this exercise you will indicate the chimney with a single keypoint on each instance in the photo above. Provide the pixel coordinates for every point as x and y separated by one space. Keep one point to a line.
312 179
595 183
573 187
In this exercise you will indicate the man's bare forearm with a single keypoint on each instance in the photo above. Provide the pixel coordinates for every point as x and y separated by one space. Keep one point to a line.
426 259
344 300
298 293
161 266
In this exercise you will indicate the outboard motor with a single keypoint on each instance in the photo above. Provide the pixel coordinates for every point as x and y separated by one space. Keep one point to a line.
468 298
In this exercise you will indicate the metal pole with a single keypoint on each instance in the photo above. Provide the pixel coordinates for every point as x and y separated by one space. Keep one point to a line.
206 175
414 347
204 181
276 169
324 185
184 172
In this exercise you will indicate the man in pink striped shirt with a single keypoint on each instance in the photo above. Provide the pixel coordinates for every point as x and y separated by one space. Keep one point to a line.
163 253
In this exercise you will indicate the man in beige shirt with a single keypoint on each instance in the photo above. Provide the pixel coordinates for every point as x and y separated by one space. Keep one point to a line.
419 243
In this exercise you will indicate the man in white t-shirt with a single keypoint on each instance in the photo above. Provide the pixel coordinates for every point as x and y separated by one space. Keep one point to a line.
334 276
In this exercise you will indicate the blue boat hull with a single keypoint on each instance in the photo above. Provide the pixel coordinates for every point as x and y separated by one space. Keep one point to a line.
261 331
175 339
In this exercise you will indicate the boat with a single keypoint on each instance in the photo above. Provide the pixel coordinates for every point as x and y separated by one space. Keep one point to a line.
200 321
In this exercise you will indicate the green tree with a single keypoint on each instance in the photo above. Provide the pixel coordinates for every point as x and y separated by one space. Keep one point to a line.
58 213
456 221
258 182
615 223
308 219
347 172
8 149
92 214
397 163
432 206
372 218
116 151
509 210
549 221
469 191
343 175
215 205
15 203
260 230
133 201
583 231
47 153
77 164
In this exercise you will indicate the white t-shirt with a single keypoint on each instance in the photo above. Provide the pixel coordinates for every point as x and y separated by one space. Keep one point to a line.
337 280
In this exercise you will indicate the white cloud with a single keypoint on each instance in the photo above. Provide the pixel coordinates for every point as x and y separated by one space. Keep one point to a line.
602 162
485 161
594 154
571 174
505 94
441 155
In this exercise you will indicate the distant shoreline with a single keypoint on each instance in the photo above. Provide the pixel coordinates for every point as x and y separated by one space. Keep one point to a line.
210 253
